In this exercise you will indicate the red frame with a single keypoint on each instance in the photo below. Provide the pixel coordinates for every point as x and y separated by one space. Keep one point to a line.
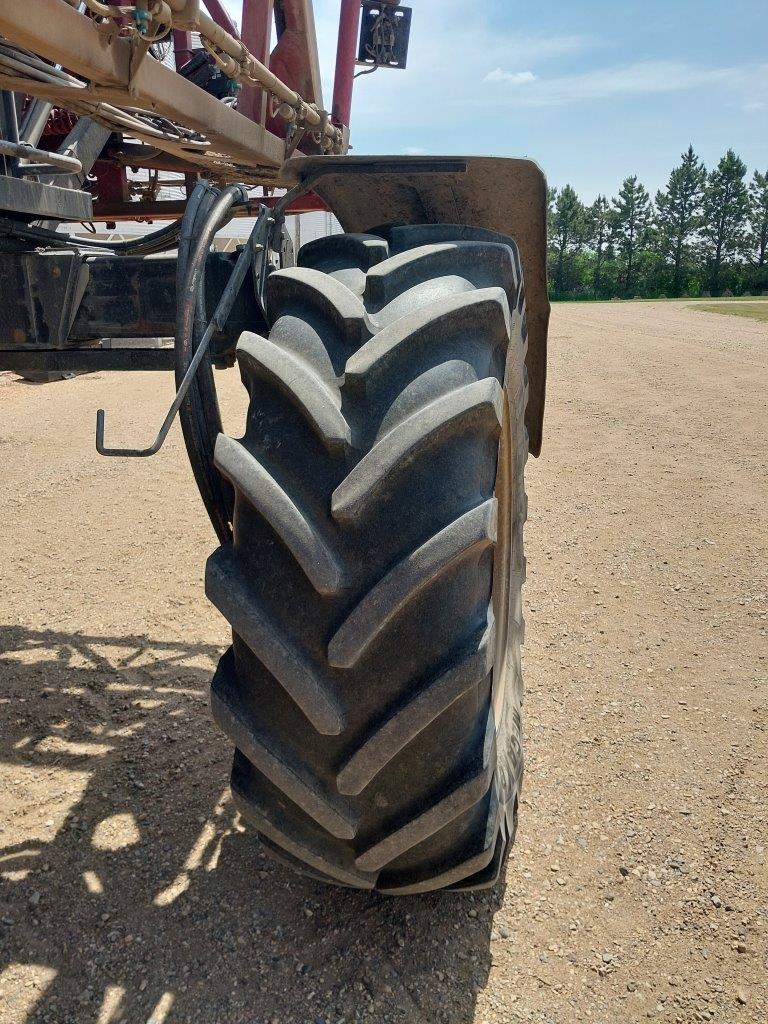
346 52
293 59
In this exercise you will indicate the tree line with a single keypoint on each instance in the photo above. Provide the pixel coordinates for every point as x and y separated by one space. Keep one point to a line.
706 233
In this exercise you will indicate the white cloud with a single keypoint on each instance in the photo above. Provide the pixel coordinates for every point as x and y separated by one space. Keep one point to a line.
637 79
537 48
448 56
510 77
439 105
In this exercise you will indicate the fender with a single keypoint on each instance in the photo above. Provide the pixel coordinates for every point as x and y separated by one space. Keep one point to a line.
496 193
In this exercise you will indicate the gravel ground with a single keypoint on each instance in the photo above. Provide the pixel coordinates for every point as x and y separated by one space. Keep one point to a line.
638 887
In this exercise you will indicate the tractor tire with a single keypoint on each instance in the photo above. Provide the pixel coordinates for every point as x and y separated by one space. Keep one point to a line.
373 687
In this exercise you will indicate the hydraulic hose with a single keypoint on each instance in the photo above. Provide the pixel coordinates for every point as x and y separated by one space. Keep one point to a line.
200 417
157 241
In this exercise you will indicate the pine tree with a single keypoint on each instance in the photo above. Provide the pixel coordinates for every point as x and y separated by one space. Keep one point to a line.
632 215
567 231
678 213
551 200
726 208
758 217
599 233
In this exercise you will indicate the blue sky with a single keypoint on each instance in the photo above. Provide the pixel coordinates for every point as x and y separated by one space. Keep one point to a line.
592 91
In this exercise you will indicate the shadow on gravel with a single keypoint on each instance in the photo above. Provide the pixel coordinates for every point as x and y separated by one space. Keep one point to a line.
130 893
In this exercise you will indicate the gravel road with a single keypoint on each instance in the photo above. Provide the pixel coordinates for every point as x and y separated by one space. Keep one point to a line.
638 887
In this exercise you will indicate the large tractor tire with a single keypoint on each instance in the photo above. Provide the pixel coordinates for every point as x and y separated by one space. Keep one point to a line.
373 686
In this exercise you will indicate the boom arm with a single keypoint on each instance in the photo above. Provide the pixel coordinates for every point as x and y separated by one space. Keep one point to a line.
110 77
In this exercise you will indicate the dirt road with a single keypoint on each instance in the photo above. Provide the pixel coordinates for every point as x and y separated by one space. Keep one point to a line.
638 887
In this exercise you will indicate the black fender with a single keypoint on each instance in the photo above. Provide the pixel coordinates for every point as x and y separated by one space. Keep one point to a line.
499 194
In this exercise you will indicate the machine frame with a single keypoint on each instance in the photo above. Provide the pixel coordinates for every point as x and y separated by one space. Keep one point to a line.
90 70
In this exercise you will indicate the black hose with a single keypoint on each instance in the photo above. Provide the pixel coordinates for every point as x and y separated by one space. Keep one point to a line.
186 225
210 419
157 241
193 419
204 420
200 417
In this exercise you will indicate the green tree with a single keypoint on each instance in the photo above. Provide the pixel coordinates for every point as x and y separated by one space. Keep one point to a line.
551 200
726 209
599 225
758 217
567 232
679 214
632 216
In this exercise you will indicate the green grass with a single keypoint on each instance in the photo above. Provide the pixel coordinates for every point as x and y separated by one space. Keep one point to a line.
662 298
753 310
731 298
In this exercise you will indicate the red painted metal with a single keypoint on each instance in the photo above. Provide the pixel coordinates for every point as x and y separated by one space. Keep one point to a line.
257 36
112 184
60 123
291 59
182 47
308 203
173 209
257 27
220 15
346 52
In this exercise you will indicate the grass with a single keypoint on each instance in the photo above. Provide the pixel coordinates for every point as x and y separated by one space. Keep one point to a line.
665 298
753 310
730 298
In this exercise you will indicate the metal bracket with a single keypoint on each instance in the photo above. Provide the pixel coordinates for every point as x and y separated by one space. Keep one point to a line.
384 31
56 162
257 242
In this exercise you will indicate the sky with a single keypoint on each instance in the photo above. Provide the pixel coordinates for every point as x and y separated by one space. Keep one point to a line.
592 91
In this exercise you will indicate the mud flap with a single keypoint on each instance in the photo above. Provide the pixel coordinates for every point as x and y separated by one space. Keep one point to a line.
497 193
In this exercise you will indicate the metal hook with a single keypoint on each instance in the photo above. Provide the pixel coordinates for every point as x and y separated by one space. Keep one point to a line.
217 322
